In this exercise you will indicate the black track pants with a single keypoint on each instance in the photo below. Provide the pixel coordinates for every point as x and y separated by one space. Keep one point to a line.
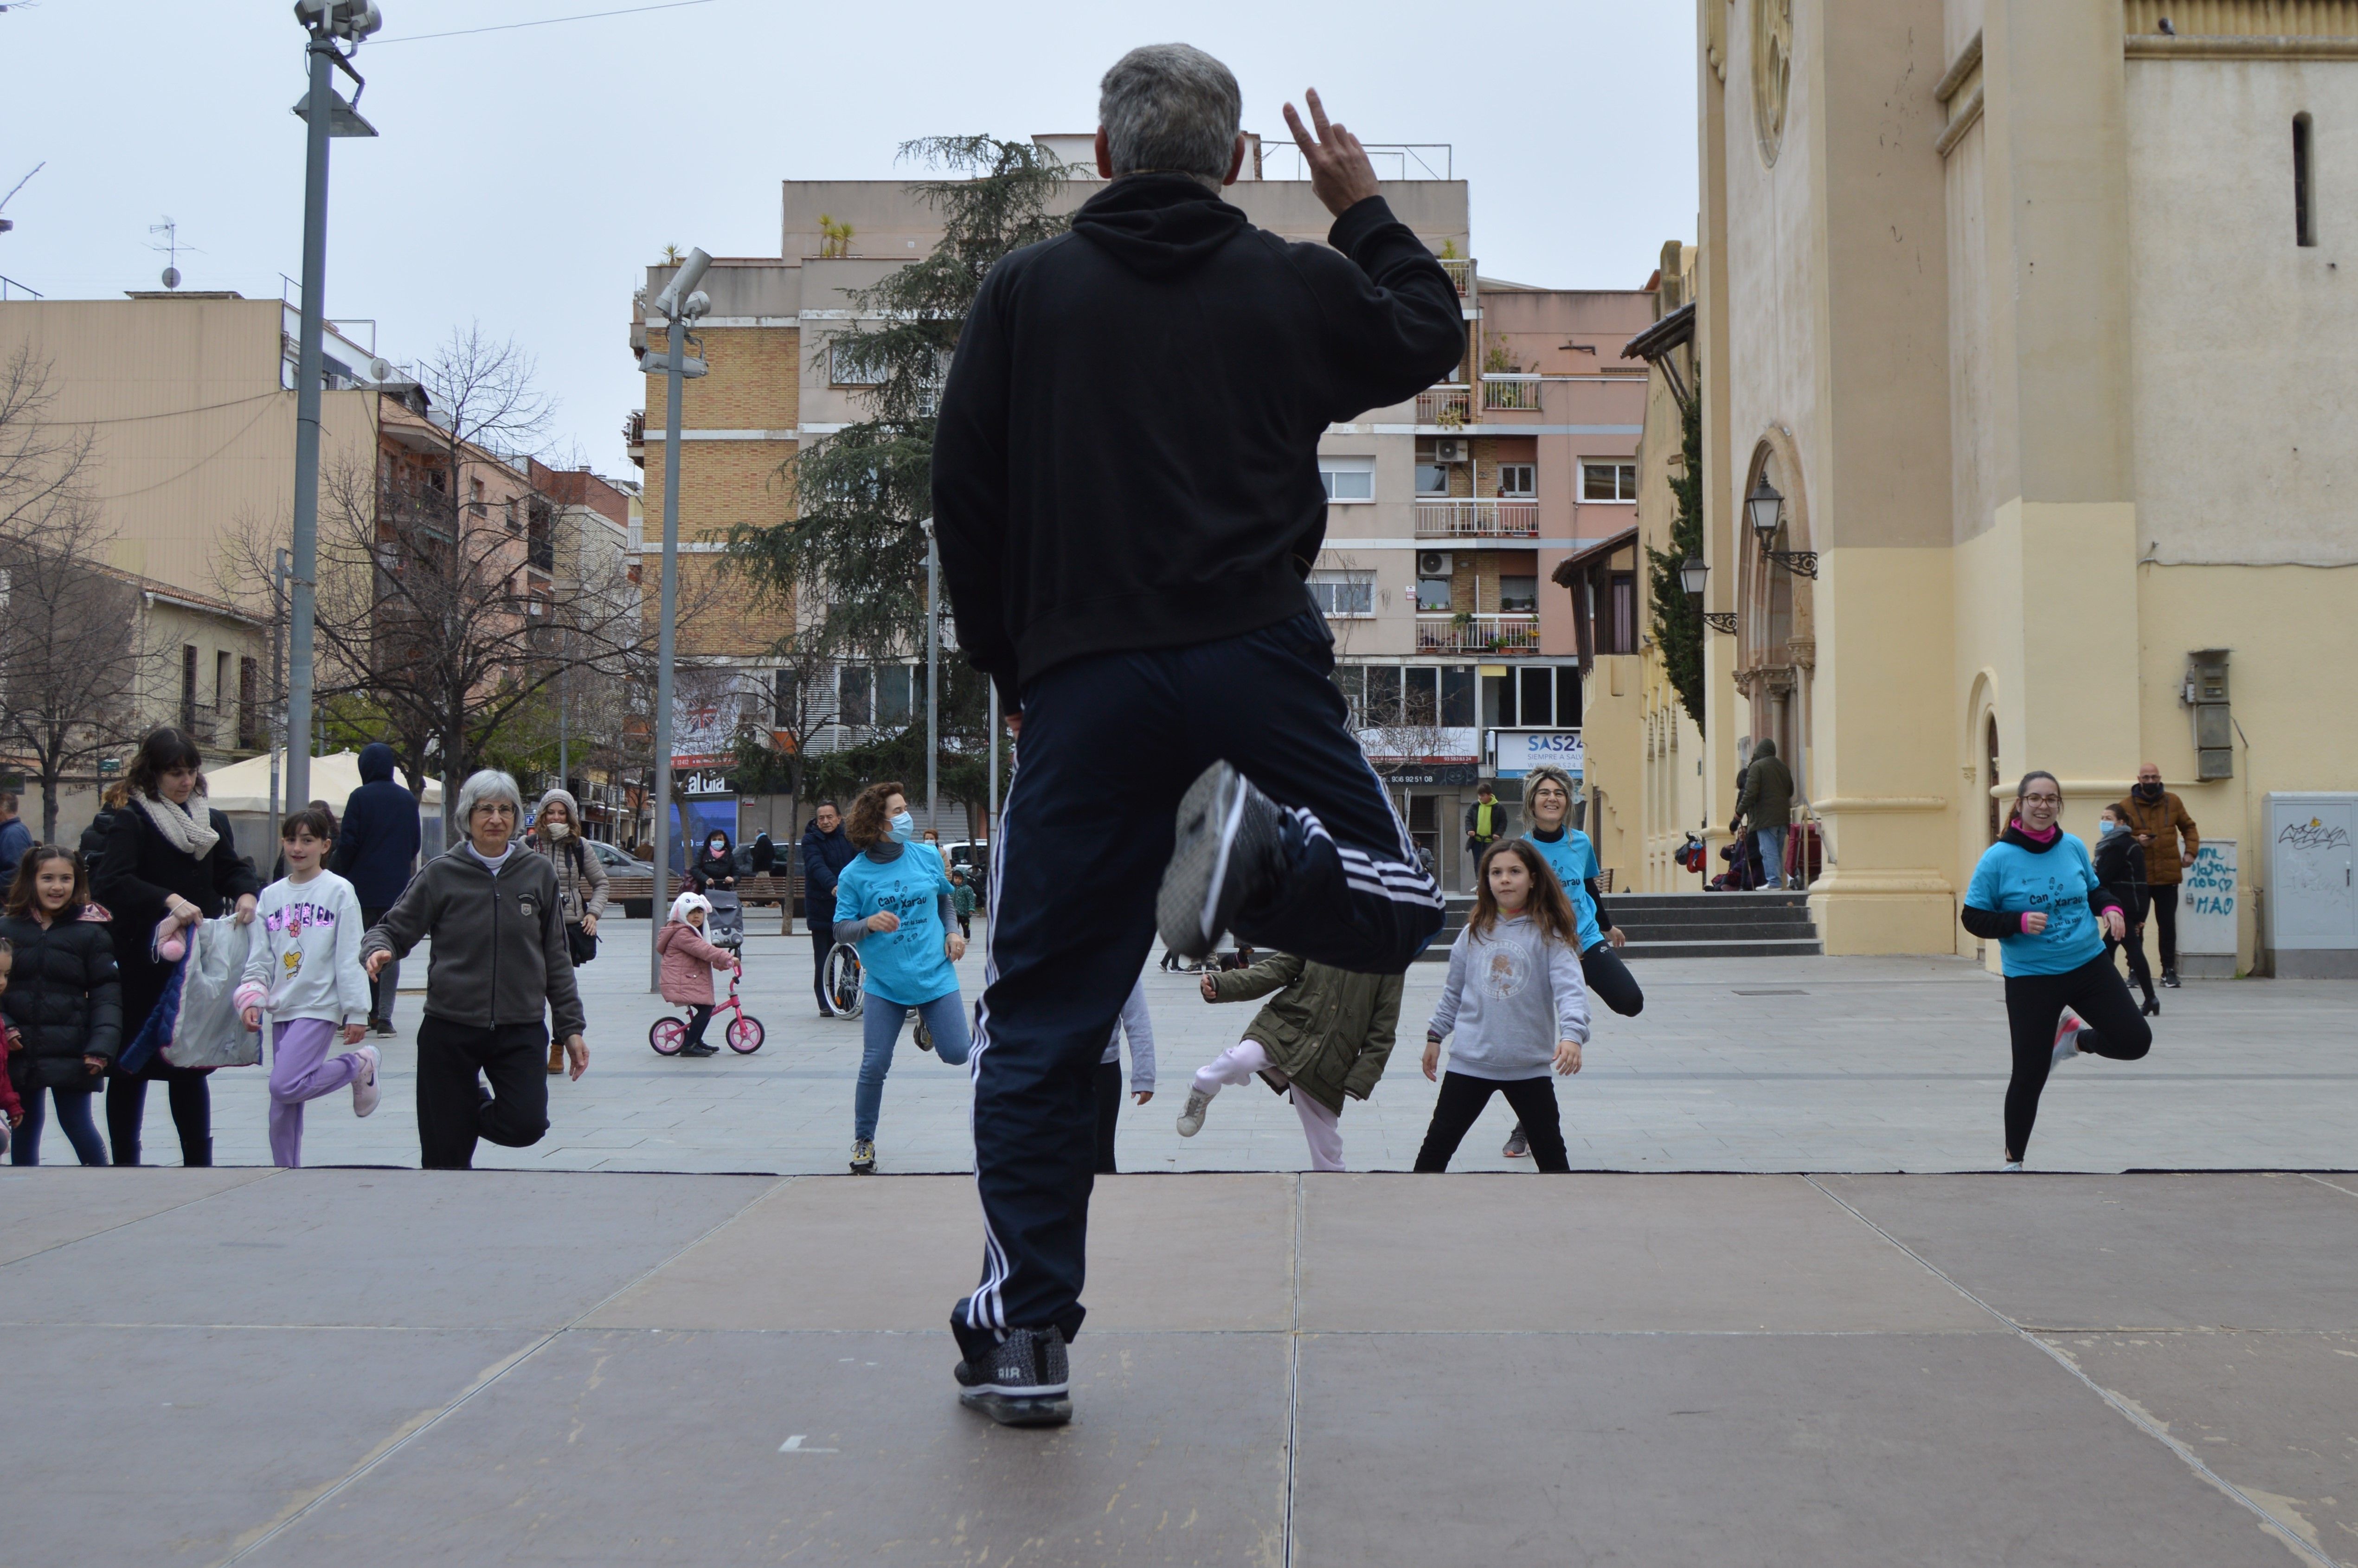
2034 1006
1461 1101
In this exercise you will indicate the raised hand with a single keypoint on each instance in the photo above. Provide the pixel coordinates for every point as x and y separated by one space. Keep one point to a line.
1340 174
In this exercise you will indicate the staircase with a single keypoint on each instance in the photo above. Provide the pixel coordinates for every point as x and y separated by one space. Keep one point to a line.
1685 925
1715 924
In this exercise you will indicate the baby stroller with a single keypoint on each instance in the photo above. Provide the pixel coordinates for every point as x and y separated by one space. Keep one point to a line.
724 927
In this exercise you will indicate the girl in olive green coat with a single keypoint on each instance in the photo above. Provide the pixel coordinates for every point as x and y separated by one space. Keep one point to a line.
1327 1034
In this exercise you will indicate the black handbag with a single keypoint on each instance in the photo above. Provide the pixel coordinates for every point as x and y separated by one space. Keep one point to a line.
582 944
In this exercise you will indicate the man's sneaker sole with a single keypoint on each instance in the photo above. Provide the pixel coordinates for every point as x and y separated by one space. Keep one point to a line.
1019 1410
1203 884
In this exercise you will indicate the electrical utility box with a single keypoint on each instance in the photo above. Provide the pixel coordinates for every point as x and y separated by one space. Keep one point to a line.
2214 723
2312 905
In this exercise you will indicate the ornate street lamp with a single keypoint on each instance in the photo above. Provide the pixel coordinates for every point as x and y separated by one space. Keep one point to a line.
1765 508
1691 577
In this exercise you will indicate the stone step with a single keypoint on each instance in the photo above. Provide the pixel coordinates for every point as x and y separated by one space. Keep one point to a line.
1730 947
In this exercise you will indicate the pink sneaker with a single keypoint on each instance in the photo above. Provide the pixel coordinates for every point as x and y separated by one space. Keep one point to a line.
2066 1039
365 1094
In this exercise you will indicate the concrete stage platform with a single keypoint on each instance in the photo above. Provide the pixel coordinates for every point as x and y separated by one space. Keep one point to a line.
357 1367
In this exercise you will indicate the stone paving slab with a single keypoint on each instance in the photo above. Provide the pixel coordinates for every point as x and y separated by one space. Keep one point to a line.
1871 1064
1836 1451
41 1207
657 1447
2150 1251
181 1445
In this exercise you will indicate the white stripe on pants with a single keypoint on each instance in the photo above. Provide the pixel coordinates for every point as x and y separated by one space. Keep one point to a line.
1321 1127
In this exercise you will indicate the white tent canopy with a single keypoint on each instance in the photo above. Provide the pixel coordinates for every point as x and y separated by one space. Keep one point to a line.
243 788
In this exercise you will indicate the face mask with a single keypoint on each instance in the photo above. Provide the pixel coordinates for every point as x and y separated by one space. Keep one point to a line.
905 827
2148 792
554 830
2106 829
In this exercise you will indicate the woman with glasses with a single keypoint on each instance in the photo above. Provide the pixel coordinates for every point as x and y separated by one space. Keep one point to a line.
2037 895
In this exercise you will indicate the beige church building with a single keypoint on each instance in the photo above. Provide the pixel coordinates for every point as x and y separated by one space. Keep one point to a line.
2031 312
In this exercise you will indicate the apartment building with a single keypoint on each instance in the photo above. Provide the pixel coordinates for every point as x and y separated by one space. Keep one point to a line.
1447 511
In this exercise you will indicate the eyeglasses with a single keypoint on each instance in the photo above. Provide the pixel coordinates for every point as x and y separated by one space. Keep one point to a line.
2042 800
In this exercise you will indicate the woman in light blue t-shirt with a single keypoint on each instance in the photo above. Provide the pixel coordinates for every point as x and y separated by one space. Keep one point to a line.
2036 895
894 903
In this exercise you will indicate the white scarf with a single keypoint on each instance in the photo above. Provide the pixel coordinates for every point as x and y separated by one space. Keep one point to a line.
181 828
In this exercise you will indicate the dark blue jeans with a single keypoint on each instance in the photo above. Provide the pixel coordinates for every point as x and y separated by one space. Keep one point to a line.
1108 746
73 1120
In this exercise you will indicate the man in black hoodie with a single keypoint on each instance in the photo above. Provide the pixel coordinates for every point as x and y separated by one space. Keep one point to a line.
1127 497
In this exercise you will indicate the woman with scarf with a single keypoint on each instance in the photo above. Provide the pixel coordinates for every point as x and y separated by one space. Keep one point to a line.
714 864
2035 894
581 884
164 856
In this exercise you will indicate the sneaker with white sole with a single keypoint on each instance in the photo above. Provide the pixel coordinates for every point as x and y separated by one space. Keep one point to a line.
365 1094
864 1157
2067 1041
2011 1165
1229 852
1024 1380
1191 1116
1518 1146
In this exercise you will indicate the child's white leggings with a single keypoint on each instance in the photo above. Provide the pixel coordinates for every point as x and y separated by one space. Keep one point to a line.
1321 1127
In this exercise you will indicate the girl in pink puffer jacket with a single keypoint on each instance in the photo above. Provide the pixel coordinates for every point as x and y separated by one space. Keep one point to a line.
688 961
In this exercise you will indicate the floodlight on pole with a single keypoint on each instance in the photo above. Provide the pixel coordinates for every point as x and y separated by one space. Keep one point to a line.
325 115
679 303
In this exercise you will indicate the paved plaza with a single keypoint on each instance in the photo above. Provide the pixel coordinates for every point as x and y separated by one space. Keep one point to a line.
677 1336
1736 1065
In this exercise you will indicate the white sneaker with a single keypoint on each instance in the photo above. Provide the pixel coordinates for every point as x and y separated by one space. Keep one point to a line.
2011 1165
365 1094
1191 1119
2066 1039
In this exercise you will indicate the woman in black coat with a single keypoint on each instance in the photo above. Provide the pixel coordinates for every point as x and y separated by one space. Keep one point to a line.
164 856
63 999
714 864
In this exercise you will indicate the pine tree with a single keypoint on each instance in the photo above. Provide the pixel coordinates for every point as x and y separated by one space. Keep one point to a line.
1677 618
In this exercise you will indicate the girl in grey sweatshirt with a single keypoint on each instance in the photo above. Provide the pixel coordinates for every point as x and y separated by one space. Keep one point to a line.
1514 1001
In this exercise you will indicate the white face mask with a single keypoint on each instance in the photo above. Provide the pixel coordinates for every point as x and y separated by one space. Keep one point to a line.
554 830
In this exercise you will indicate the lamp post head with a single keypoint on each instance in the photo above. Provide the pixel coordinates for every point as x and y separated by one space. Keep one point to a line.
1765 509
1691 576
348 19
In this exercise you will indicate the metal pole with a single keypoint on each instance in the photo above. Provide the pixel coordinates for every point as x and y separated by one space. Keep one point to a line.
933 680
278 736
676 340
306 421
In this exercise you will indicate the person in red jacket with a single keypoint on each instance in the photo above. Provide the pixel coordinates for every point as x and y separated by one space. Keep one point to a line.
688 961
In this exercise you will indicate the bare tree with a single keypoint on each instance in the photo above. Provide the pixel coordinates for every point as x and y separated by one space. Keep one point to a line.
71 655
437 611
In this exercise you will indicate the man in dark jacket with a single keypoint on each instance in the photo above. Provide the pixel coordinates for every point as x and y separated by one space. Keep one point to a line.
1126 497
826 852
2159 820
1767 802
377 851
14 837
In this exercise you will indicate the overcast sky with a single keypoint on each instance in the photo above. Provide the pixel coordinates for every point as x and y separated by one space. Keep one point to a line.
523 178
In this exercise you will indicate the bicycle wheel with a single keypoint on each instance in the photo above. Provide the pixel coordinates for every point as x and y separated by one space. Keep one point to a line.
745 1035
667 1035
842 979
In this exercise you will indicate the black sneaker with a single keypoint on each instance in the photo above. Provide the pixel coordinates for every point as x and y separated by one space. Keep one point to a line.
2169 979
703 1048
1519 1147
1230 852
381 1026
924 1036
1022 1380
864 1157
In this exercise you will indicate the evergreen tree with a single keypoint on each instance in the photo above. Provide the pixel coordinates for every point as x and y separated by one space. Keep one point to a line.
1677 618
852 558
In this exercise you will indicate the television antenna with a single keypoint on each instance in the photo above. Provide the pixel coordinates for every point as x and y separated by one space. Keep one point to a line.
171 247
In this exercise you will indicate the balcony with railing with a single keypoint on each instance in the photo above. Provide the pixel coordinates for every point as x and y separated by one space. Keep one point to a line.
1477 633
1478 519
1447 406
1460 271
1518 394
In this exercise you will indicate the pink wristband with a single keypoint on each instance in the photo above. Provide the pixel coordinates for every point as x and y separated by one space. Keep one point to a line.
2023 920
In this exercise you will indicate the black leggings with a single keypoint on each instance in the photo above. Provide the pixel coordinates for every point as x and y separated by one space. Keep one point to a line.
699 1014
192 1111
1609 980
1461 1101
2165 920
2034 1006
1108 1091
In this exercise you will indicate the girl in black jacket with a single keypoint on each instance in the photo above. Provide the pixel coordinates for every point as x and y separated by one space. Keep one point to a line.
2120 866
165 854
62 999
714 865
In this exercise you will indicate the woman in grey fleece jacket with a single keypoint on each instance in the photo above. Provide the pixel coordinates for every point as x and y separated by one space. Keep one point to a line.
1515 1002
500 968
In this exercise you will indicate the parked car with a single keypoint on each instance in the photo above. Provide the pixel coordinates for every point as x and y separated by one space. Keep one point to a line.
613 858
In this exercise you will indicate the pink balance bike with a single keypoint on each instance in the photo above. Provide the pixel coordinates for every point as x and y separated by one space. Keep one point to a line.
744 1032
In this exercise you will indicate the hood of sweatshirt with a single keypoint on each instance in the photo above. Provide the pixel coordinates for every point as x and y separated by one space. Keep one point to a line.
1158 225
376 763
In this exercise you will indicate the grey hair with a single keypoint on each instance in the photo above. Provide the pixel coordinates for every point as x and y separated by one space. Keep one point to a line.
489 784
1172 109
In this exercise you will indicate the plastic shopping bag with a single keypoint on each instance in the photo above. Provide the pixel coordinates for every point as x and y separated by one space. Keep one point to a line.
208 1032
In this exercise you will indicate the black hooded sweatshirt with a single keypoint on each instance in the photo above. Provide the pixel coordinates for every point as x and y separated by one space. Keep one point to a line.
1128 450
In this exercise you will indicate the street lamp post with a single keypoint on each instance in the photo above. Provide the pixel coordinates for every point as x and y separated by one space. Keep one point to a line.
324 116
679 303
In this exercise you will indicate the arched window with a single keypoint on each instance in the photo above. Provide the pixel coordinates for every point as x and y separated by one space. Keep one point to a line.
1990 747
2304 183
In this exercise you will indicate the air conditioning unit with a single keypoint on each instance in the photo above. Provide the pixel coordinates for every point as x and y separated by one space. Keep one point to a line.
1434 563
1449 451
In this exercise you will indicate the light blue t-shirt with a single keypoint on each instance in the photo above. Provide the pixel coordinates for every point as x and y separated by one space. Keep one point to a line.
2057 881
910 966
1574 859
